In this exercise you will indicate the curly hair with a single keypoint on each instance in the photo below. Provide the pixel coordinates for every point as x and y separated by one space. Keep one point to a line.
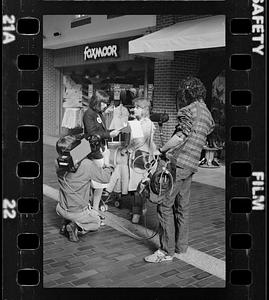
96 99
192 89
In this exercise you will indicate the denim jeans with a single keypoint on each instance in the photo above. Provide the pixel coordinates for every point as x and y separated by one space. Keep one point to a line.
138 203
87 219
173 214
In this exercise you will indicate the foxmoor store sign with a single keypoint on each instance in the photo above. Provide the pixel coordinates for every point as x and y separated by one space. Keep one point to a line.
100 52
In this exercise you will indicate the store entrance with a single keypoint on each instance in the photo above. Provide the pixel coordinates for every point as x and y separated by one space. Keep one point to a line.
122 81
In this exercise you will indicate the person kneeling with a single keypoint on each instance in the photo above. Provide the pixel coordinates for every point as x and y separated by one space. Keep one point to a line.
74 193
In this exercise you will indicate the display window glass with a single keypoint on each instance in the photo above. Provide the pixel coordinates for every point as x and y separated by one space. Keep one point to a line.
122 81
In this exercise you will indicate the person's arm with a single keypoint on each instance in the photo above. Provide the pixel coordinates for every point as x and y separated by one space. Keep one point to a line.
175 141
178 137
135 144
101 175
152 145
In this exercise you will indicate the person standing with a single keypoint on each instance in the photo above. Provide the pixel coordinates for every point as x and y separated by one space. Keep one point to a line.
173 212
94 125
141 149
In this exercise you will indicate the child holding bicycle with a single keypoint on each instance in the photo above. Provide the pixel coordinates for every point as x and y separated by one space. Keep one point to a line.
141 151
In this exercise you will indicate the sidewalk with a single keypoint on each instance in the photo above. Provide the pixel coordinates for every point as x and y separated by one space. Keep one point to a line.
110 257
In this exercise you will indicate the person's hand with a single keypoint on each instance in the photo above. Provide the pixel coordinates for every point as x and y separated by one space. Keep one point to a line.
123 151
114 133
110 167
109 109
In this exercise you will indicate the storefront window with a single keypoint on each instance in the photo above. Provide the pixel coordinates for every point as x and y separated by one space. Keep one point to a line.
72 105
122 81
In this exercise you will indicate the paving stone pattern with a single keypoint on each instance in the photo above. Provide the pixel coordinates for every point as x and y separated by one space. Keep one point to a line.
207 218
109 258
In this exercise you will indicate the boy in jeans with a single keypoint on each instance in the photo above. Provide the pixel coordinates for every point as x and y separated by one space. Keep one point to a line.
186 145
74 194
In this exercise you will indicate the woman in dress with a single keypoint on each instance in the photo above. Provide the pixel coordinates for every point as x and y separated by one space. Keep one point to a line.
141 149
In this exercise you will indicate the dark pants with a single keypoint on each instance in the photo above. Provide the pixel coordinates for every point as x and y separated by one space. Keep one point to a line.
173 215
138 203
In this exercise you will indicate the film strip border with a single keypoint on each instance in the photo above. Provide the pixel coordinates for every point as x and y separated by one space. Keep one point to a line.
22 151
245 148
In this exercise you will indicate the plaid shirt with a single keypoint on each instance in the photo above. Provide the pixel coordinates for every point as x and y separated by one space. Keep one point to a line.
188 156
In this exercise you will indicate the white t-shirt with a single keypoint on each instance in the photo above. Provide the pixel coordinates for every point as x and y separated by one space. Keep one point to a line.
144 143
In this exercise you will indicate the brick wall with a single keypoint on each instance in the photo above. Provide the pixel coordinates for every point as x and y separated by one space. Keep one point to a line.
51 79
167 20
167 75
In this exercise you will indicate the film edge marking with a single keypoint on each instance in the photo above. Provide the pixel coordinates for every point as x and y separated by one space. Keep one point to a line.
258 26
8 29
257 190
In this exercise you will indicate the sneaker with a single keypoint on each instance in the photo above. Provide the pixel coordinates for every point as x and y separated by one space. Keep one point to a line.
72 232
63 230
158 256
215 163
135 218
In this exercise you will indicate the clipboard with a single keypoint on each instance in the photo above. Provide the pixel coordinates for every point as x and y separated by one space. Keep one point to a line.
81 151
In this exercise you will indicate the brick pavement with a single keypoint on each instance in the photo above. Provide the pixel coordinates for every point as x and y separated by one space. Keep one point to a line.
109 258
207 218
